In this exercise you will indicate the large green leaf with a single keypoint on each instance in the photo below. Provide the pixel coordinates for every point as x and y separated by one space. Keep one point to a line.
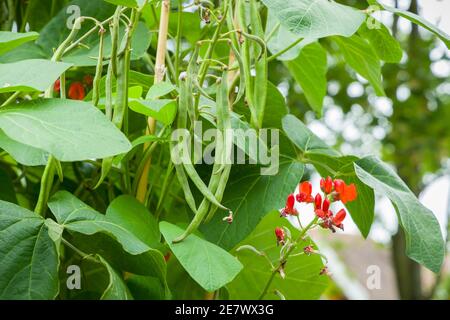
30 75
134 216
29 261
68 129
386 46
110 237
209 265
361 56
23 154
117 289
251 196
11 40
424 242
310 72
302 279
417 20
76 216
163 110
316 18
303 138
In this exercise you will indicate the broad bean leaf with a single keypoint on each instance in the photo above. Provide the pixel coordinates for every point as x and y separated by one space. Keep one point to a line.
30 75
316 18
129 213
303 279
11 40
361 56
29 261
303 138
209 265
424 241
117 289
163 110
251 196
126 251
309 69
386 46
22 153
68 129
417 20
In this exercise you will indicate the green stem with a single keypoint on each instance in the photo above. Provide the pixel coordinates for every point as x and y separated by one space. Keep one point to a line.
285 256
10 99
289 47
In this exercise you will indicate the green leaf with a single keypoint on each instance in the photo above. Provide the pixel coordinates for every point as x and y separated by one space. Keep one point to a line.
316 18
127 251
279 38
76 216
386 46
310 72
363 59
29 261
129 213
30 75
302 272
68 129
251 196
11 40
163 110
362 209
117 289
417 20
209 265
182 286
23 154
303 138
424 242
159 89
147 288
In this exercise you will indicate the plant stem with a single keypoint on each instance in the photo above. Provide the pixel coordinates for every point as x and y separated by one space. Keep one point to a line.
160 69
289 47
11 99
285 256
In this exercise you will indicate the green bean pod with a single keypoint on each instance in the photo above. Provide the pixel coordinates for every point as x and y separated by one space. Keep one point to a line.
98 70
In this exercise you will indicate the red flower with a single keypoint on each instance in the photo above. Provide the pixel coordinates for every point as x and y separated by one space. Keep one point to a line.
290 206
326 185
308 250
57 85
344 192
321 214
279 233
339 218
88 80
326 205
318 201
304 195
76 91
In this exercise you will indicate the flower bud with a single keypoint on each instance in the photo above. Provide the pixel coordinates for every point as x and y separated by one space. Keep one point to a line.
318 201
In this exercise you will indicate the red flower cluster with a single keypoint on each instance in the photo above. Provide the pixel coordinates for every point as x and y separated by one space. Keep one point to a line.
334 190
76 88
